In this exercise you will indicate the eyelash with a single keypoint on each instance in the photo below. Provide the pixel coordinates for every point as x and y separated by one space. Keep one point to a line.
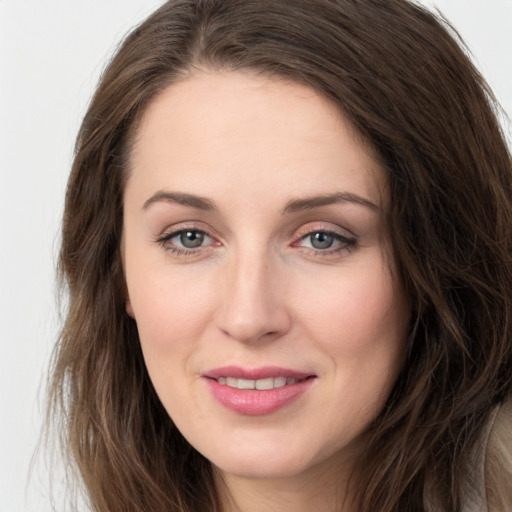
180 251
344 243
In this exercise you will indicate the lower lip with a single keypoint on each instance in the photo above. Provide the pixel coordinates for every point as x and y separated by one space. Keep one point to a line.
255 402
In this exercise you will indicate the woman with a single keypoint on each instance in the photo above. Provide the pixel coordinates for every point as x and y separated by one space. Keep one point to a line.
287 246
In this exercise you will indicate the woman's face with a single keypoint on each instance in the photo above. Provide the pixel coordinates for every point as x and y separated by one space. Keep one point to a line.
256 271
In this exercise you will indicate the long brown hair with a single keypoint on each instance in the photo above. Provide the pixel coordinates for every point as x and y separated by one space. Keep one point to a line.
401 77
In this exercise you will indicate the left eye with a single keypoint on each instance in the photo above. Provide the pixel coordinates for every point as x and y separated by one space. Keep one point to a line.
189 239
322 240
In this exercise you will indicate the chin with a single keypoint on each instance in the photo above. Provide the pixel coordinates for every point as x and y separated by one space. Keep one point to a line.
273 462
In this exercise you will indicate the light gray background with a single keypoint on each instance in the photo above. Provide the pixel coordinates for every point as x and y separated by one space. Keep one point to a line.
51 55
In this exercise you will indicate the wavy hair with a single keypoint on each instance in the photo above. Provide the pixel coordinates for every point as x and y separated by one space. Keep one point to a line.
402 77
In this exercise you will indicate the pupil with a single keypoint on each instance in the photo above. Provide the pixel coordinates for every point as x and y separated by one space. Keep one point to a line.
321 240
191 239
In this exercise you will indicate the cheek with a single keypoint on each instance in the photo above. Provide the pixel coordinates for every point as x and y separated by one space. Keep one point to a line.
171 306
172 315
361 325
361 311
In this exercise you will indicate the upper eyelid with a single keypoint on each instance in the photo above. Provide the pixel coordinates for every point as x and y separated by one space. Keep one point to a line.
184 226
342 232
302 232
172 234
342 239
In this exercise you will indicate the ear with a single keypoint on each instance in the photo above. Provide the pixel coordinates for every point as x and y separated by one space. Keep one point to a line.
127 302
128 306
124 286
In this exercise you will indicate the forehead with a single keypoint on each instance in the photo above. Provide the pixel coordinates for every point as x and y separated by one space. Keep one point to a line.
251 131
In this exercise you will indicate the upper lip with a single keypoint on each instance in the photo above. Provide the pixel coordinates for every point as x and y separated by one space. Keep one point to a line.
264 372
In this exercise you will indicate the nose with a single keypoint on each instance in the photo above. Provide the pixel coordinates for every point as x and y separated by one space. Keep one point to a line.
253 304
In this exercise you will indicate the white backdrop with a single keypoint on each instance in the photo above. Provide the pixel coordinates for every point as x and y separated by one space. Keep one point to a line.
51 55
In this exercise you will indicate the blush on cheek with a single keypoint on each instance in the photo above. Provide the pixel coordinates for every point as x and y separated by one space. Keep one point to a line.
167 317
360 317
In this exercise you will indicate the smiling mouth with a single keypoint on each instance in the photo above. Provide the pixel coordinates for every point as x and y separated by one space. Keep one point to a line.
257 391
259 384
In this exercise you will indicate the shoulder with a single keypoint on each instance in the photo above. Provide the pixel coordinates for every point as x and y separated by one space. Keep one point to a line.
498 461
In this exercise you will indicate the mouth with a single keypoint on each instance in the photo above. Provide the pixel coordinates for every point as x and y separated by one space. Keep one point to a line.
260 384
261 378
257 391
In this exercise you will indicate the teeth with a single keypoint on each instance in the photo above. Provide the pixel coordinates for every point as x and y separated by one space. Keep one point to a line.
245 384
279 382
232 382
260 384
265 384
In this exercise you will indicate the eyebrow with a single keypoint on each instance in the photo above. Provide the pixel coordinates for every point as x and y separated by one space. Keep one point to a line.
190 200
308 203
295 205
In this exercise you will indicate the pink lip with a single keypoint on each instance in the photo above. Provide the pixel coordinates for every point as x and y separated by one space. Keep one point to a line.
256 402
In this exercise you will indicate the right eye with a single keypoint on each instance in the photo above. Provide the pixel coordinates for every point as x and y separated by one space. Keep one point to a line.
185 241
190 239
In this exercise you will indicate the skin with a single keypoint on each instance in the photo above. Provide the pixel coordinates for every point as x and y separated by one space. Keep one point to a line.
257 292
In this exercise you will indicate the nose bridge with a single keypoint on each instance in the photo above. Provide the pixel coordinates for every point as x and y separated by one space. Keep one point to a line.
251 308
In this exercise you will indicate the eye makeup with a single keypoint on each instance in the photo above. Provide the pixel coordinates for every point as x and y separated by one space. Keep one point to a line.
191 240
